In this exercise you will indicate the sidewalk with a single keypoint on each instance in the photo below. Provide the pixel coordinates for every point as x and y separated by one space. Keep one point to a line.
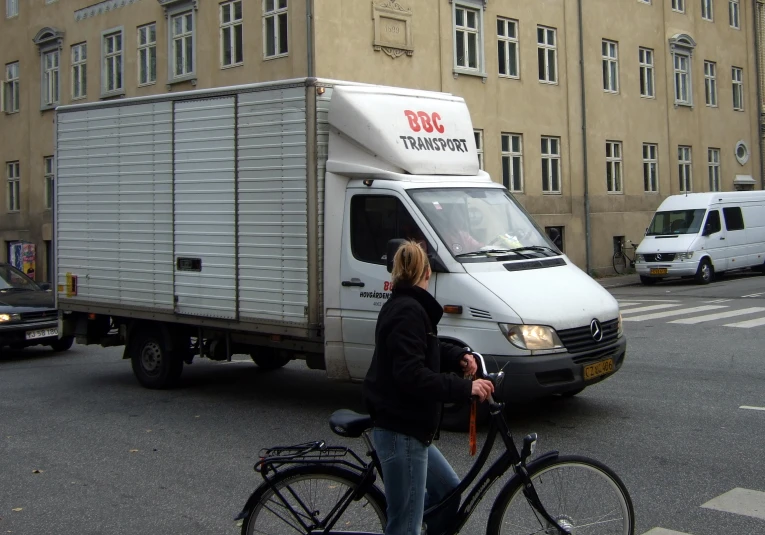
619 280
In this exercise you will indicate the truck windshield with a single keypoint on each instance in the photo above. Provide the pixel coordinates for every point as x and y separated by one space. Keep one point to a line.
482 223
13 279
676 222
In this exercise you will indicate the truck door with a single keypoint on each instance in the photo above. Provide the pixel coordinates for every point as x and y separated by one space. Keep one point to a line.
204 208
714 240
372 220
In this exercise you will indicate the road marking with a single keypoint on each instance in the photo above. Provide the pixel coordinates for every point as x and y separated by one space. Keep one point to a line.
754 295
621 304
752 408
676 312
662 531
651 300
740 502
719 315
719 301
648 308
748 324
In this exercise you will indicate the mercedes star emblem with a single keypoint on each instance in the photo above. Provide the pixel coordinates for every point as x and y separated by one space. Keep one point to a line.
596 331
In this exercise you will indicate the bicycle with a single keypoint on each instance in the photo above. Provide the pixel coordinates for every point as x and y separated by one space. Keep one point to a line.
533 495
621 257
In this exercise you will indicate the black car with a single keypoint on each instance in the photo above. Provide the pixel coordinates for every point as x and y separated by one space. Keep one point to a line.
28 316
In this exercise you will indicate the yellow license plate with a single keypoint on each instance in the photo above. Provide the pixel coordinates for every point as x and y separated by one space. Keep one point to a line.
599 368
658 271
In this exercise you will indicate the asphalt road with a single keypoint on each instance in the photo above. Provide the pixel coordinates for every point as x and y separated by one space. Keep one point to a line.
116 458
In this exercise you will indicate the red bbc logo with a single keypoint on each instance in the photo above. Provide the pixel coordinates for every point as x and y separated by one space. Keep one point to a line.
421 120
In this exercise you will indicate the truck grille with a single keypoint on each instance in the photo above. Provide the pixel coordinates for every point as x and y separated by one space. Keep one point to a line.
580 339
665 257
46 314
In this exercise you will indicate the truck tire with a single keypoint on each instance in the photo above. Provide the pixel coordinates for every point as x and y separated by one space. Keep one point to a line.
269 358
648 281
705 273
63 344
153 365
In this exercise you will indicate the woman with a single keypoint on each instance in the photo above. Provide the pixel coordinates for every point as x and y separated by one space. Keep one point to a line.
405 390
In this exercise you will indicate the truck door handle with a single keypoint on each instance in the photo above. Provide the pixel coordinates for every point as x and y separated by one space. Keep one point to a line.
722 237
353 282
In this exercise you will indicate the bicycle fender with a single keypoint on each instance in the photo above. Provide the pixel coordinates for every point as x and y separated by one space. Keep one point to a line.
251 501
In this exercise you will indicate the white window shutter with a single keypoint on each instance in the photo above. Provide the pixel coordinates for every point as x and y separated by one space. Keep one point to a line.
2 96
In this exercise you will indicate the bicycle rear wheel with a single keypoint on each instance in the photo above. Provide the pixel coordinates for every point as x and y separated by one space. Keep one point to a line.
579 493
305 498
620 262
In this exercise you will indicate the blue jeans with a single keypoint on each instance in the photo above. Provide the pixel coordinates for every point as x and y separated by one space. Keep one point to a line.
416 477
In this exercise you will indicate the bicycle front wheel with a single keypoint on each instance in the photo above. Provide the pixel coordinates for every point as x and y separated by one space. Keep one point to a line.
311 498
581 494
620 263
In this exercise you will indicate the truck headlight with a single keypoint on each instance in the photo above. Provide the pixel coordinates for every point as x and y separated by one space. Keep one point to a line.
639 258
684 256
619 328
532 337
9 317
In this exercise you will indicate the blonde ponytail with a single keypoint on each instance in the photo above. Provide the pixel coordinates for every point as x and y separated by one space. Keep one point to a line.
410 264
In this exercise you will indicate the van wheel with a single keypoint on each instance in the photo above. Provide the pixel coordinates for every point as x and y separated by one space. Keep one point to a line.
648 281
62 344
705 273
153 365
269 358
456 416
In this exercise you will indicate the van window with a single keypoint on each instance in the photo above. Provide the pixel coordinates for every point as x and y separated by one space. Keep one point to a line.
713 223
734 219
676 222
376 219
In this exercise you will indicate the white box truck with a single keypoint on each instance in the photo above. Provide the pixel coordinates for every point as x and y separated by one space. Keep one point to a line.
256 220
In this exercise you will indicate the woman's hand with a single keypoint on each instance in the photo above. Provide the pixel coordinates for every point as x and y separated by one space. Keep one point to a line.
482 389
468 365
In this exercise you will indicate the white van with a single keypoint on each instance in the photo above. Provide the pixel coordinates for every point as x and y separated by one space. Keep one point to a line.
700 234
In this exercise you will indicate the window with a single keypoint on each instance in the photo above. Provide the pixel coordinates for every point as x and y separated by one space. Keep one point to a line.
614 166
232 50
707 10
11 8
507 47
547 54
710 83
376 219
645 56
678 5
734 219
79 71
479 146
182 39
682 80
49 176
275 27
11 88
556 236
734 13
713 159
713 223
685 170
512 162
737 75
50 81
610 52
113 68
467 38
13 175
147 54
551 165
650 167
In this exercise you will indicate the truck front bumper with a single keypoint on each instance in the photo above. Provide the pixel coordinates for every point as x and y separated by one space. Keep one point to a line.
533 377
658 270
29 333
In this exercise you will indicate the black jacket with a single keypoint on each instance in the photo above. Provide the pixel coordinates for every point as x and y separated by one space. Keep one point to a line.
405 389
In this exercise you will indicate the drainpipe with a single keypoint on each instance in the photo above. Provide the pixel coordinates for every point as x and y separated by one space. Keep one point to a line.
587 231
758 54
309 35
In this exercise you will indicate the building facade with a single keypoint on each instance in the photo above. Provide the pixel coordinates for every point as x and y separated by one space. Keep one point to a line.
590 111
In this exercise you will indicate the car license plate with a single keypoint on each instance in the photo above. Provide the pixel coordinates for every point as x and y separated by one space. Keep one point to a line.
658 271
42 333
599 368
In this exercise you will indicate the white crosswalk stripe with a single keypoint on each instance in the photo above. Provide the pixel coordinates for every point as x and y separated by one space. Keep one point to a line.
636 310
675 312
649 308
662 531
748 324
719 316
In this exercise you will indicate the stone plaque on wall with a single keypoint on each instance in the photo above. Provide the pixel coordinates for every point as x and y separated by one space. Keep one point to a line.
393 28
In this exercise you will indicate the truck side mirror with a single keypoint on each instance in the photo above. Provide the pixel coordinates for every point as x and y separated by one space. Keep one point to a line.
707 230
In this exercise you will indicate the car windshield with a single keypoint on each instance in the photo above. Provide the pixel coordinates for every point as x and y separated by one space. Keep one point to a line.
13 279
676 222
482 223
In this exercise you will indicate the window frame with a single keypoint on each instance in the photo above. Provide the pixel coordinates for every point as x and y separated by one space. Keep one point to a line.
79 70
708 9
508 159
11 13
106 56
551 158
681 47
738 87
610 65
678 6
734 14
546 48
231 26
685 178
478 135
710 84
181 11
615 165
713 169
469 5
650 167
49 176
51 79
274 14
11 88
13 186
647 71
144 52
507 42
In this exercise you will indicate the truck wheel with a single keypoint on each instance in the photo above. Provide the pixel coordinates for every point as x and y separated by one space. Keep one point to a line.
456 416
705 273
648 280
153 365
63 344
269 358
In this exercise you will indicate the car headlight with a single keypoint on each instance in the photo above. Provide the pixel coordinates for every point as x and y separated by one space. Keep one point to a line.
532 337
684 256
9 317
619 328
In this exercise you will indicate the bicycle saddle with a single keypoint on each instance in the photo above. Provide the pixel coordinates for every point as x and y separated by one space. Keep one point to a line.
347 423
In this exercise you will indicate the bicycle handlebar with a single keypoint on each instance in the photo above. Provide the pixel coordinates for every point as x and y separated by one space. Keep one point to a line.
495 378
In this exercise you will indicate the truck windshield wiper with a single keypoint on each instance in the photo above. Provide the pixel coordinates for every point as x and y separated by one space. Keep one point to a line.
535 248
484 252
